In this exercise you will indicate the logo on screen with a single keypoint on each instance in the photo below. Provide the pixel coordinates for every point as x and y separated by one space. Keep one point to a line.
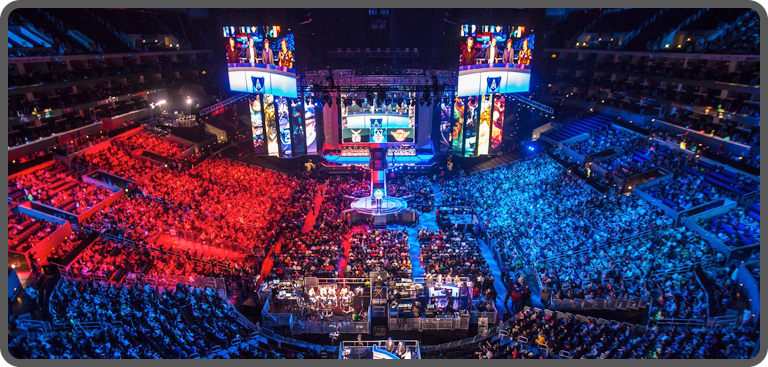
376 122
400 135
258 84
493 84
378 135
356 138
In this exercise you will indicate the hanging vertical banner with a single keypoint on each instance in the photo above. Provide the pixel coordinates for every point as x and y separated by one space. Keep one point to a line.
310 128
499 102
270 122
412 110
299 137
445 126
470 126
284 121
257 124
484 127
457 137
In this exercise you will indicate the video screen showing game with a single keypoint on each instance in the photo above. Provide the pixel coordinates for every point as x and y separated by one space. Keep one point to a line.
388 118
494 59
260 59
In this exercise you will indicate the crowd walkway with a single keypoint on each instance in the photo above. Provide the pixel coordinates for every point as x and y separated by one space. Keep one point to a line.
498 283
430 221
309 222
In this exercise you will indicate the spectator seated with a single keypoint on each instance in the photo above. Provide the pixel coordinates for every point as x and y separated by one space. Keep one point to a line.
381 250
25 232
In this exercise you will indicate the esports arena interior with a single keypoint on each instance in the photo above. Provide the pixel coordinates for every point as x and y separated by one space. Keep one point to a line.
384 183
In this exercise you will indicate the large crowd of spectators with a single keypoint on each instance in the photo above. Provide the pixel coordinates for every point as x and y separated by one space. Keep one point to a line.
644 155
606 138
379 250
623 271
151 143
466 190
685 191
59 187
736 228
24 232
618 246
138 322
119 261
452 253
115 160
68 245
217 203
420 187
608 251
350 186
317 251
536 335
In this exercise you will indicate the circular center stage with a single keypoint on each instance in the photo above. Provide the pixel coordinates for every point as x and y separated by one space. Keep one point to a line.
389 205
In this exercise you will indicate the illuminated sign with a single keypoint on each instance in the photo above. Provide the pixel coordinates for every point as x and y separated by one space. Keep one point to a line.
400 135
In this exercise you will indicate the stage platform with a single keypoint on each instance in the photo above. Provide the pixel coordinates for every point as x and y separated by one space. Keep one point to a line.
393 210
389 205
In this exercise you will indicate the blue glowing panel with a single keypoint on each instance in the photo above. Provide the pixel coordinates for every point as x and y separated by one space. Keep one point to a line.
262 81
478 83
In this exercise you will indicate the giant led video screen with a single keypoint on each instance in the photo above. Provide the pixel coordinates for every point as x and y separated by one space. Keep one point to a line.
260 59
371 119
474 125
494 59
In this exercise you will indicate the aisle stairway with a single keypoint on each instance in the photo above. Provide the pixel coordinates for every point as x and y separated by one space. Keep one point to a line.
501 289
309 222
